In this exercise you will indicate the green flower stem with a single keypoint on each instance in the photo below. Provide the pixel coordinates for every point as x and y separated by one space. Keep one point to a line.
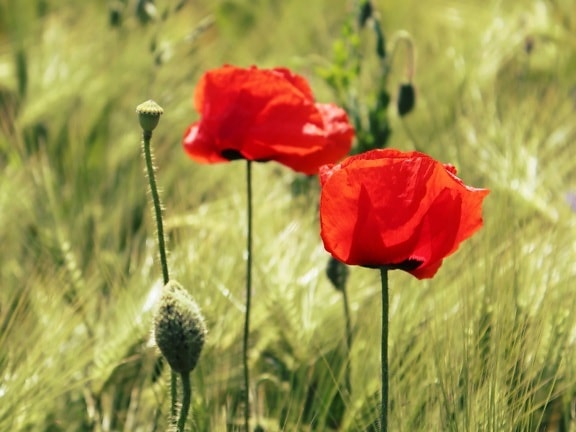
150 171
248 294
186 399
384 352
348 324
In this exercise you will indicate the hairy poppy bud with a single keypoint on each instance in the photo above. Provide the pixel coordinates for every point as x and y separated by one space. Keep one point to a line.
149 113
406 99
179 328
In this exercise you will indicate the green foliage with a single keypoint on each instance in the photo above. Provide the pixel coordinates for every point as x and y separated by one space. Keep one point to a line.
488 344
356 61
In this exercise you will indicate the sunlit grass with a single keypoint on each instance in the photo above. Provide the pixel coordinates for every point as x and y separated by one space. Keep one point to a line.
486 345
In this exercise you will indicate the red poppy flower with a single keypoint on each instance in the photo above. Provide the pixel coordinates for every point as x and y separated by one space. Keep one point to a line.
263 115
403 210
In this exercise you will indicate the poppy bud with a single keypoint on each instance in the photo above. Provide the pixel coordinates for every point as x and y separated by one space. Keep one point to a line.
115 13
179 328
337 273
149 113
380 41
406 99
366 10
529 43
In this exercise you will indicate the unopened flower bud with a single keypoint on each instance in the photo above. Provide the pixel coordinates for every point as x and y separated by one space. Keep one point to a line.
337 273
365 13
179 328
380 40
149 113
406 99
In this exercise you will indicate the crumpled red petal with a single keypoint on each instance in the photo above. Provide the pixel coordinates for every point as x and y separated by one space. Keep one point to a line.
396 209
262 115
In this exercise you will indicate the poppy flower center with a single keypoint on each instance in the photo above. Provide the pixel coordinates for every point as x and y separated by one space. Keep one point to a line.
231 154
407 265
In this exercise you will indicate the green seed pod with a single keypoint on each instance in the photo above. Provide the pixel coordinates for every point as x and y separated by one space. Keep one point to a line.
149 113
179 328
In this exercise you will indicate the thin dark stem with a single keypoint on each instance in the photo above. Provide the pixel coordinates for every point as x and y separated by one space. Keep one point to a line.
348 324
150 171
186 399
248 294
384 354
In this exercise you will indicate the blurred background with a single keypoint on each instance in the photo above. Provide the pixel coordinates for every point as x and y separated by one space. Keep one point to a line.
488 344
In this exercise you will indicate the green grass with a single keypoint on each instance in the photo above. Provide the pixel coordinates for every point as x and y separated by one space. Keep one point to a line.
487 345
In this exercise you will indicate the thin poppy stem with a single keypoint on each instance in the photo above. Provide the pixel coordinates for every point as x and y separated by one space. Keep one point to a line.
186 399
348 324
157 204
248 294
150 171
384 352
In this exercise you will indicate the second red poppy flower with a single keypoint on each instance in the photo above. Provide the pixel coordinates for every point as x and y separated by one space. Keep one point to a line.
399 210
265 115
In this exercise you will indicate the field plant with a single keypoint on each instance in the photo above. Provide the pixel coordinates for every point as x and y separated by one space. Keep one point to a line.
488 344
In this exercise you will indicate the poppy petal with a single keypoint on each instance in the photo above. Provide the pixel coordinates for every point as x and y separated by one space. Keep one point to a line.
387 208
199 147
265 114
334 138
